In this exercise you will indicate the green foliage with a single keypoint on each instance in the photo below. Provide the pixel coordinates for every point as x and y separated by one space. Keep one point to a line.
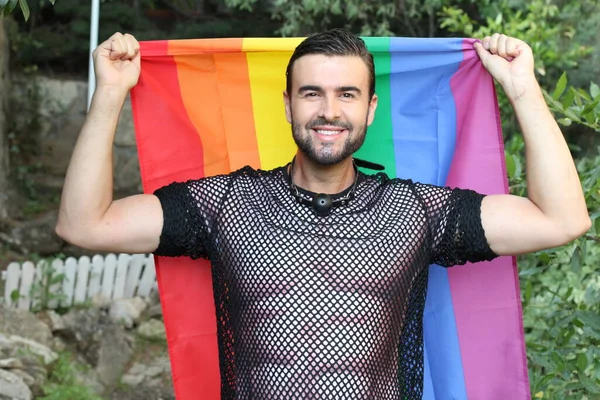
8 6
47 288
58 38
368 18
540 23
561 287
575 104
62 383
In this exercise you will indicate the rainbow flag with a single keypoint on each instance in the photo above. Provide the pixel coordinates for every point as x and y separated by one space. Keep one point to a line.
210 106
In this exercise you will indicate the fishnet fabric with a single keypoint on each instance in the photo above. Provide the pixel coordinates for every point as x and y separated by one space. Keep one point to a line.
312 307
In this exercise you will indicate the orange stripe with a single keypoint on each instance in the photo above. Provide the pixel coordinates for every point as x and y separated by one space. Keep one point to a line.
204 46
238 111
203 96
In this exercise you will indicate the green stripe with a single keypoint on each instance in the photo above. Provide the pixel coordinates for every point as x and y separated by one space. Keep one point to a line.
379 145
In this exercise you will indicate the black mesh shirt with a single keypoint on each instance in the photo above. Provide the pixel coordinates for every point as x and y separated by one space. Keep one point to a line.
313 307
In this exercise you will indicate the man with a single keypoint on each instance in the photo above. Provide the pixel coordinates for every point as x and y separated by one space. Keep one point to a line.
320 271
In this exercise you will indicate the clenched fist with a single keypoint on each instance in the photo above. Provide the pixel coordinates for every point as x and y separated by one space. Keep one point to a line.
117 62
510 62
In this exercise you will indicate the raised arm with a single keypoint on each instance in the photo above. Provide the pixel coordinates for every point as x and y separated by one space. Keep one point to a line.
88 216
554 213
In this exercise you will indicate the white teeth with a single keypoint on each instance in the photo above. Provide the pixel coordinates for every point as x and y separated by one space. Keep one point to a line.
327 132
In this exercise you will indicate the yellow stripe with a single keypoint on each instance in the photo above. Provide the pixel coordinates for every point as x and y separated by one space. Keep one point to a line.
286 45
267 60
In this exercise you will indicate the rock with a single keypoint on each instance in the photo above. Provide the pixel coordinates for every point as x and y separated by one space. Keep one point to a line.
153 374
127 311
127 171
125 135
24 324
63 96
25 346
101 342
11 363
26 358
154 298
153 329
13 387
155 311
52 319
38 235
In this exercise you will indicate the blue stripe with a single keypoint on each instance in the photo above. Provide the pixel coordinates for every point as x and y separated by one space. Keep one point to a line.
424 124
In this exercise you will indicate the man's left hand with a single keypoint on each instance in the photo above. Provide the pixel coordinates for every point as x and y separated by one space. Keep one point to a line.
509 61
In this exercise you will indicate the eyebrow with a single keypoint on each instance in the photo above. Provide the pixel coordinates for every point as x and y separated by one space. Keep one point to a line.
308 88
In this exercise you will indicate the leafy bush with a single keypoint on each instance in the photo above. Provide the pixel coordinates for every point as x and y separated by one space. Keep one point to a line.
561 287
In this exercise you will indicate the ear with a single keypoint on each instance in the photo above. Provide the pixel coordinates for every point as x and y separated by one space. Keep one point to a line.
288 106
372 108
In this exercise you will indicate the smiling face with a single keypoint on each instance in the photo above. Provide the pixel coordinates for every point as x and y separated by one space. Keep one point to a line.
329 106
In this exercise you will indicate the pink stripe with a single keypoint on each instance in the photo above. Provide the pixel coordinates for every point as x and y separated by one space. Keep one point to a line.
488 313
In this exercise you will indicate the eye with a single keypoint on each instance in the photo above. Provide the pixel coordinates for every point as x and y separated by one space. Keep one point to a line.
311 94
348 95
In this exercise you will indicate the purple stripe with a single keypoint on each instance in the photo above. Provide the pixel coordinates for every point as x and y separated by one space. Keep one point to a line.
486 296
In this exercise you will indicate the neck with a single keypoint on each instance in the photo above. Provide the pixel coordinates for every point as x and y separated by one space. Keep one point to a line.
329 179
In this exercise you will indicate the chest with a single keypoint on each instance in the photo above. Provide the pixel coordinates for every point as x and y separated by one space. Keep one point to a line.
263 257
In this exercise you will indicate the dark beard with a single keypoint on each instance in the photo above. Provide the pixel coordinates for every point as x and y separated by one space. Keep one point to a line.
324 157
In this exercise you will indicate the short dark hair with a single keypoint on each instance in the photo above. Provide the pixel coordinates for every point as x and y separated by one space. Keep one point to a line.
334 42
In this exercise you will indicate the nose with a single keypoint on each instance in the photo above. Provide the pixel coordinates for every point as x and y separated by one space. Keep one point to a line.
330 109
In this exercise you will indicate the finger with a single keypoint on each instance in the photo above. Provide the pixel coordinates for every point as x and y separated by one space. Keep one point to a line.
114 46
486 42
512 47
501 50
494 43
122 46
482 52
106 46
133 47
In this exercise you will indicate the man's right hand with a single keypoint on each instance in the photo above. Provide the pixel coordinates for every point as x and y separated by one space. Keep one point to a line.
117 62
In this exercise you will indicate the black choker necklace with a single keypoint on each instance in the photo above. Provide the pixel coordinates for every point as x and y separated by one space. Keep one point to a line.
322 203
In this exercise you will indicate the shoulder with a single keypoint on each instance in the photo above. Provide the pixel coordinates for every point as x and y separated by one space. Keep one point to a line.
382 181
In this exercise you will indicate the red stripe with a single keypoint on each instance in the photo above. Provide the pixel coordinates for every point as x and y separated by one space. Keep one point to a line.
185 286
161 115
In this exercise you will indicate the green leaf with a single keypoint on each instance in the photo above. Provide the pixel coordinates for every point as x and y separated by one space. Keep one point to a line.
11 5
578 323
561 85
568 99
24 9
590 319
591 106
591 386
576 260
15 295
594 90
498 19
511 166
597 225
557 360
569 292
565 121
582 362
528 290
544 257
52 1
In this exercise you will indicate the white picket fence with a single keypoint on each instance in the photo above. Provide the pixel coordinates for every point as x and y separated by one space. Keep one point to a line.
98 279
